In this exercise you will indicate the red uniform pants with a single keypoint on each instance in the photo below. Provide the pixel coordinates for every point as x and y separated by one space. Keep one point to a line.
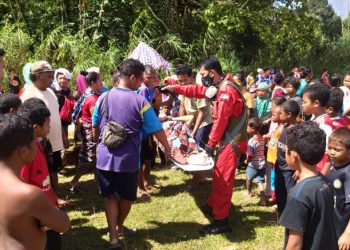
223 179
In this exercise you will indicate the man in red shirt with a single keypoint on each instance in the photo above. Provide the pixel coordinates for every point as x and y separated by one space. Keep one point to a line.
87 154
228 135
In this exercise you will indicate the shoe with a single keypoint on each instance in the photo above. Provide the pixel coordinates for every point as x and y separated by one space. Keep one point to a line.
217 227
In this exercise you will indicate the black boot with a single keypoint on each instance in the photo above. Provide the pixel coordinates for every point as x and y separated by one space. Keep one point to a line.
217 227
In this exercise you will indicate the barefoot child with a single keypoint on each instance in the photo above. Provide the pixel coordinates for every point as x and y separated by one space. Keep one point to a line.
339 175
24 210
255 158
36 172
307 216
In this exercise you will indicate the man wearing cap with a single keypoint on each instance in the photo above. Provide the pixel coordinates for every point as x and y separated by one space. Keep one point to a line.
41 74
228 135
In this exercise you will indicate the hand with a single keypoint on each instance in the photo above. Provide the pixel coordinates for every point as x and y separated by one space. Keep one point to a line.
209 150
296 175
267 137
246 161
62 203
344 241
170 88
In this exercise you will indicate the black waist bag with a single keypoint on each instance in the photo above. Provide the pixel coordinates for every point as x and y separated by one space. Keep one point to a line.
114 134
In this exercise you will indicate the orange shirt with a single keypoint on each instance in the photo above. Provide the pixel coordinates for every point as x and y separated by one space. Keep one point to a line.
273 145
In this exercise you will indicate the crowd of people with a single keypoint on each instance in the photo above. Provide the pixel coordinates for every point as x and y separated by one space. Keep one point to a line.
290 134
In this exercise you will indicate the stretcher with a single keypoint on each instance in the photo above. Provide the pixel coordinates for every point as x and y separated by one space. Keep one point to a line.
186 154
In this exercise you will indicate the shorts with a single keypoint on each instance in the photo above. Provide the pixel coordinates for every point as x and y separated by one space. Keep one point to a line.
53 240
148 150
258 174
57 161
121 184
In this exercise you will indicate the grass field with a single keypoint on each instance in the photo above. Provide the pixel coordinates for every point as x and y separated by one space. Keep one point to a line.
171 219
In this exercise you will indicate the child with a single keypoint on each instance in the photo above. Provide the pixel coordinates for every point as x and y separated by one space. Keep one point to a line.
315 99
276 103
292 86
271 156
307 216
333 107
339 154
255 158
9 103
263 106
279 89
25 211
37 172
284 174
263 102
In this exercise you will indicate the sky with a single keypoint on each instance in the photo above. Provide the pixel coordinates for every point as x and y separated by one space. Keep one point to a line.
341 7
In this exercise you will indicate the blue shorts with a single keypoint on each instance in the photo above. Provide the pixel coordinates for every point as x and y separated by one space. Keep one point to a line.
121 184
258 174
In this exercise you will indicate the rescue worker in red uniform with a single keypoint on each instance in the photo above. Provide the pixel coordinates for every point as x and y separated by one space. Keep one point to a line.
228 136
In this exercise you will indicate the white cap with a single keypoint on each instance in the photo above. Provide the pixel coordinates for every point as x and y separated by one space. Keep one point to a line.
259 70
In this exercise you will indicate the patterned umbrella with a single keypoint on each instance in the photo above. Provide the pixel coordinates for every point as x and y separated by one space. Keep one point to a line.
149 56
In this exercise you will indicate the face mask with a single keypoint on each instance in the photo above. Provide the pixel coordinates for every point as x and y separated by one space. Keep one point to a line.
207 81
211 92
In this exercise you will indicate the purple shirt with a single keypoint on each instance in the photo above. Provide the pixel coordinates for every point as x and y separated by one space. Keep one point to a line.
134 113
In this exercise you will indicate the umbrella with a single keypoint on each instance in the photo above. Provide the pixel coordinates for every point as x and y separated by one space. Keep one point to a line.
149 56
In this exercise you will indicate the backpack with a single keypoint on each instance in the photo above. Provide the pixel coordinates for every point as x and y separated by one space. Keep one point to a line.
67 109
79 105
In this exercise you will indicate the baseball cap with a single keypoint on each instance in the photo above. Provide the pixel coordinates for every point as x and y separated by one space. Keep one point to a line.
41 66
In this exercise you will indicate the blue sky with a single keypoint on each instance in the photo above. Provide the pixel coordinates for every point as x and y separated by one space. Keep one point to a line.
341 7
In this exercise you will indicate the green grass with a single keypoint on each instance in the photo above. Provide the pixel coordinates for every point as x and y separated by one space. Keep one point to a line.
171 219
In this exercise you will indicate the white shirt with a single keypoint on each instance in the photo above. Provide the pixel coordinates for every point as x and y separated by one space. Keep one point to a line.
50 99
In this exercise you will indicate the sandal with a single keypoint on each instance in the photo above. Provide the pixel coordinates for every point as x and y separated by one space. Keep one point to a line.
144 195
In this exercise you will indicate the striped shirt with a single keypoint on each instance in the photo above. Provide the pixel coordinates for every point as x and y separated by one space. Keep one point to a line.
256 147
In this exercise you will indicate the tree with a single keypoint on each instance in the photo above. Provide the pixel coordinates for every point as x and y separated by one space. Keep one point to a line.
330 22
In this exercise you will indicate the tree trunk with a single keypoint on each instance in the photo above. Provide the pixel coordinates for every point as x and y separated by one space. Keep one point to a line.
99 23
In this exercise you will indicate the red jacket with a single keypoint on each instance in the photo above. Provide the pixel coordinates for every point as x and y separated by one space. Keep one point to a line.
228 104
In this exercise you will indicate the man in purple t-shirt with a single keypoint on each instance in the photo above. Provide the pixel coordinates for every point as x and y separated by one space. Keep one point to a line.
117 169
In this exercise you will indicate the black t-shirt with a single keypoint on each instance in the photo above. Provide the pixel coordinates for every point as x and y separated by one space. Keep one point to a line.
309 210
281 150
339 177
